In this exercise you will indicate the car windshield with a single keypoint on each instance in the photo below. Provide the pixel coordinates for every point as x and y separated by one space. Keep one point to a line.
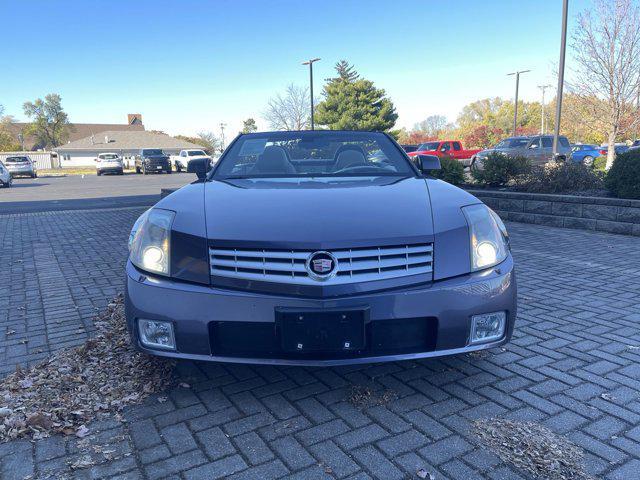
17 159
312 154
513 143
152 151
429 146
109 156
194 153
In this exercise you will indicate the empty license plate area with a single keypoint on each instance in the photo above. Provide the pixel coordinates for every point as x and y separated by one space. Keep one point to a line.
326 330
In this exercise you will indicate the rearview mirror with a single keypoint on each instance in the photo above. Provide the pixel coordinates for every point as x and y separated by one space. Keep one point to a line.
426 163
199 166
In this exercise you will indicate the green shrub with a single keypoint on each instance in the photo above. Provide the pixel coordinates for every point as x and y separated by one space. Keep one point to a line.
623 178
560 177
452 171
499 169
600 164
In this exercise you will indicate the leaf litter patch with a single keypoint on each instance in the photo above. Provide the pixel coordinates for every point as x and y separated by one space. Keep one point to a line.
74 386
532 448
371 395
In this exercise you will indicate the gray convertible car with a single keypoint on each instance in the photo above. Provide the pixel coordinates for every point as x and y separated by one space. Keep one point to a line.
318 248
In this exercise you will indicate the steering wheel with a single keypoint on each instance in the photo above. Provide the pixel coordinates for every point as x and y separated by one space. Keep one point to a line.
360 168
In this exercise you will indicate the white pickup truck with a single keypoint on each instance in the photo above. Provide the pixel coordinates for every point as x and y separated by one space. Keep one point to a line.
180 161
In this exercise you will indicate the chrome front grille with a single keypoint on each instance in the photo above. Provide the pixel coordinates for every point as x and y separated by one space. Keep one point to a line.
354 264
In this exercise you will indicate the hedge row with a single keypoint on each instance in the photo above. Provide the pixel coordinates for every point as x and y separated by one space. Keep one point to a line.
622 180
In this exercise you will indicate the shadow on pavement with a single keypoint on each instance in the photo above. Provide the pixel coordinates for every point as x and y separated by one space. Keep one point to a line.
77 204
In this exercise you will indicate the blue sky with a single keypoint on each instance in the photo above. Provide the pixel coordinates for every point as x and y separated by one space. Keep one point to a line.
189 65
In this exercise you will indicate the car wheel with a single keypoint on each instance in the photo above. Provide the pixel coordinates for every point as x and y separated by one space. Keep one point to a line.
169 170
178 169
98 172
137 169
144 170
588 160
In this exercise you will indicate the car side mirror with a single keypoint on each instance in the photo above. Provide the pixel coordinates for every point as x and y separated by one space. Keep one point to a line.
426 163
199 166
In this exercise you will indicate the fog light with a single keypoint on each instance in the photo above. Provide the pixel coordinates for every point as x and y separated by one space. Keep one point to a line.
156 334
487 327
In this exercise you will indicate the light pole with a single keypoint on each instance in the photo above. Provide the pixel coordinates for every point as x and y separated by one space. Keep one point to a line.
222 125
543 88
515 111
563 48
310 63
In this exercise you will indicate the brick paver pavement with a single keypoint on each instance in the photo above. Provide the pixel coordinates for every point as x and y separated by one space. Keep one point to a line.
572 366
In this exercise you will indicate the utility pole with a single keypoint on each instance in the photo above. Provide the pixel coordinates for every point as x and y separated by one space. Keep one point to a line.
515 111
310 63
222 125
637 112
563 48
543 88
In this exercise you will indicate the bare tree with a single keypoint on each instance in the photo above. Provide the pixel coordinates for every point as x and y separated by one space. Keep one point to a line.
210 142
606 45
433 125
289 111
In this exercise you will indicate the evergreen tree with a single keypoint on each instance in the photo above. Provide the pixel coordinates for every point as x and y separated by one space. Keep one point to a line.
346 71
354 103
249 126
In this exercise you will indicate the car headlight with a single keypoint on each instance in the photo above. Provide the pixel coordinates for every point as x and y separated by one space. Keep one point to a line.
150 239
489 241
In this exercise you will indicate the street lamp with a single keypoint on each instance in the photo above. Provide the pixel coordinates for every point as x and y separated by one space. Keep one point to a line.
310 63
563 47
543 88
222 125
515 111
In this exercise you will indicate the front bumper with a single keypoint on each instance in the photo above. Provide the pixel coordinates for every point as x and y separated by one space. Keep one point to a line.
114 168
447 306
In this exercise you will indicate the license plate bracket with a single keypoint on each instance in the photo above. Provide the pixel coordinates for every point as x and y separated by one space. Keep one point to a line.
322 330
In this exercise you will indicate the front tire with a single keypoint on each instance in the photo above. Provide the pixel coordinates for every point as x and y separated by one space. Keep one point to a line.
138 170
588 161
98 173
169 169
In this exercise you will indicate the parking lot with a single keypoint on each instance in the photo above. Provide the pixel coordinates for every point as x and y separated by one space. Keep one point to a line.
44 194
573 366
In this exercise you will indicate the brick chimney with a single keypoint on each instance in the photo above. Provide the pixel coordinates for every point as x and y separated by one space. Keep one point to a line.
134 119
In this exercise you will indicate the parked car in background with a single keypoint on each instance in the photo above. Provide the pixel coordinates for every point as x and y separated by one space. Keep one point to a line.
635 144
152 160
21 165
181 161
305 248
537 148
409 148
585 154
109 163
618 148
446 148
5 176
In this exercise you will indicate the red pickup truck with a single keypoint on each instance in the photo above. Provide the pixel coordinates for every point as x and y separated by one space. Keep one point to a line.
446 148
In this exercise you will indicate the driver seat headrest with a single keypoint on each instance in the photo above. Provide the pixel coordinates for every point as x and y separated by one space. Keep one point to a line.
350 158
274 159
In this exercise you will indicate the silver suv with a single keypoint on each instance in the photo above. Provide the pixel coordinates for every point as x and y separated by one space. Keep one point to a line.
537 148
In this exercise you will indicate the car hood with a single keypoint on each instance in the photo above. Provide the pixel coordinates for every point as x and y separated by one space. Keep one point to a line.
319 212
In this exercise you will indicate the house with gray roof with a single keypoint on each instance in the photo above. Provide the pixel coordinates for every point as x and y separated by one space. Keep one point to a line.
83 152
